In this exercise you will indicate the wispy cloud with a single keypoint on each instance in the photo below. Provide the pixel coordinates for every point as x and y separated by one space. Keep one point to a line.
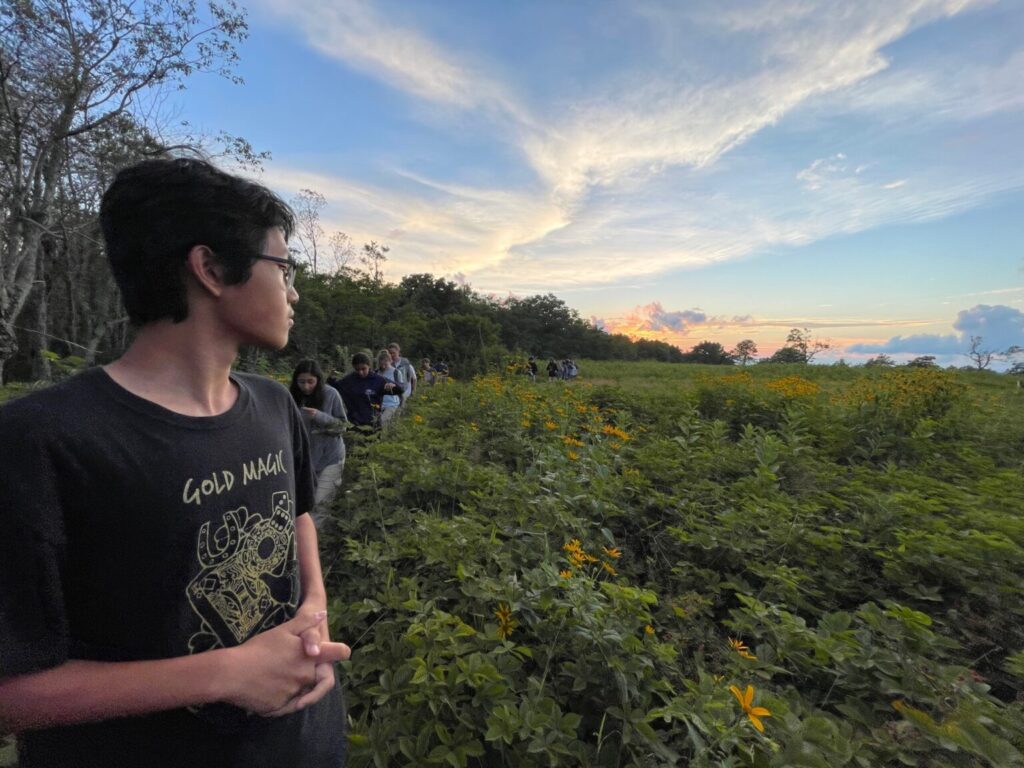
818 172
437 227
356 32
627 172
942 87
994 292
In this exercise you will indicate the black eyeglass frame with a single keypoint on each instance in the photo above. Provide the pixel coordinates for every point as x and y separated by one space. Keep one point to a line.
292 264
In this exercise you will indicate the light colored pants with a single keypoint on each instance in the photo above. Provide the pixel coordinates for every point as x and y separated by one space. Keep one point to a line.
386 415
327 485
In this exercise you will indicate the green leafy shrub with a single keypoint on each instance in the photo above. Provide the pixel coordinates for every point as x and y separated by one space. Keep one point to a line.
557 575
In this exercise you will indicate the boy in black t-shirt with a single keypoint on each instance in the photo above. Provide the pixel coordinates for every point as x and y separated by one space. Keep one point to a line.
161 600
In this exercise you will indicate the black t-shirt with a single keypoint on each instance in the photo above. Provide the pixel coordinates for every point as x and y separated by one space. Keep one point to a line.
130 532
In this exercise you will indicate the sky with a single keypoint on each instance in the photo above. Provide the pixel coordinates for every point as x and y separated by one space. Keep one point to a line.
673 170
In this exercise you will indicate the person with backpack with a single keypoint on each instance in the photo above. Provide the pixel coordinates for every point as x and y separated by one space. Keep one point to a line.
406 370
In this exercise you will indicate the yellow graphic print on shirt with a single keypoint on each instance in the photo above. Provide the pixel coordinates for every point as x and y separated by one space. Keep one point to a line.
231 593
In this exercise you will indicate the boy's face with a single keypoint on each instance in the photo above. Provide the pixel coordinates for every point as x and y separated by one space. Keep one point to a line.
259 311
362 370
395 353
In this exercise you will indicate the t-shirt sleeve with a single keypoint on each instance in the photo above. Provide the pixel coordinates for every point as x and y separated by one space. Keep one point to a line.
33 623
304 485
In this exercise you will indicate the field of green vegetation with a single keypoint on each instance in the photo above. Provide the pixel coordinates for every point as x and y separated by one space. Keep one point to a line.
678 565
687 565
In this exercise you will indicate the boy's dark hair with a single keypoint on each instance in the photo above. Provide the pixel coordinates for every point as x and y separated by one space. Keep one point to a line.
155 211
314 399
360 358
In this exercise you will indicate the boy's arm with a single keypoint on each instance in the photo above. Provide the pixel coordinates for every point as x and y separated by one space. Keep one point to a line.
314 595
269 674
314 600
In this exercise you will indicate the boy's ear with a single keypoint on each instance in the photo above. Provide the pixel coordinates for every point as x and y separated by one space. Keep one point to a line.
207 271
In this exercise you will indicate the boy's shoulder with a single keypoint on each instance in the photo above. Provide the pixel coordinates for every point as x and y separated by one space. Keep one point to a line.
53 403
262 386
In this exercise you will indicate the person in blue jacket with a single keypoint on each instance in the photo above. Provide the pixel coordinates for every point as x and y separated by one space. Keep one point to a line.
363 390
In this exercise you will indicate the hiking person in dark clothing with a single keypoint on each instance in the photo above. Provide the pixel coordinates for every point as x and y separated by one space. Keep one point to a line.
362 392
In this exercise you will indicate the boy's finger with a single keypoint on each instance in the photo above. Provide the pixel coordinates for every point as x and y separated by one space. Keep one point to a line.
311 641
302 622
325 682
287 709
331 652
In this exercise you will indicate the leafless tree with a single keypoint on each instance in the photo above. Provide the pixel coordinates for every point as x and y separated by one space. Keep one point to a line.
978 355
308 232
342 252
68 70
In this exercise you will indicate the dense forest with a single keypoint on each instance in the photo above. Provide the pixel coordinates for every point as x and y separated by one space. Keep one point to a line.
440 319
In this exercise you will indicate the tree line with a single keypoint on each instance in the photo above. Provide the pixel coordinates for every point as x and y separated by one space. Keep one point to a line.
438 318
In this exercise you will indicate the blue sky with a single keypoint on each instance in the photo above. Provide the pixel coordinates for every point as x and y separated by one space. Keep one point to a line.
684 171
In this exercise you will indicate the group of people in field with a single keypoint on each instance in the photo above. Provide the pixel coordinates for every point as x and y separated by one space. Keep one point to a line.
564 369
367 399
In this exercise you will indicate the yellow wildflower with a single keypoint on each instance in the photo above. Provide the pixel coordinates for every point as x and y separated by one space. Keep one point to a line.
649 629
741 648
526 423
506 624
608 567
566 574
793 386
612 552
611 431
549 424
473 426
418 419
573 456
746 699
573 546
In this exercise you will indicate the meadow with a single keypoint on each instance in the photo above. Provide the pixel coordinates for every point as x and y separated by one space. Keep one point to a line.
683 565
686 565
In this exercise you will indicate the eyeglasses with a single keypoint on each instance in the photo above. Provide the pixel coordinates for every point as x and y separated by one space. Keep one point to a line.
289 274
